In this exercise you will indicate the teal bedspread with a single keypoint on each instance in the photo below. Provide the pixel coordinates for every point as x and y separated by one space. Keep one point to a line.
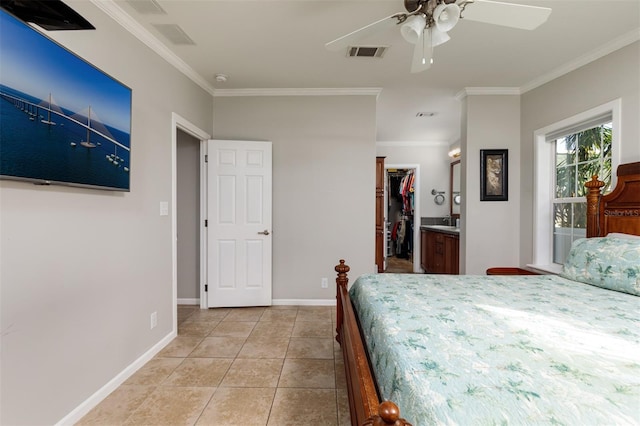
502 350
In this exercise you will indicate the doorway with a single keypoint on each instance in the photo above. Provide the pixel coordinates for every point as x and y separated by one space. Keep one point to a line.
402 218
188 218
179 124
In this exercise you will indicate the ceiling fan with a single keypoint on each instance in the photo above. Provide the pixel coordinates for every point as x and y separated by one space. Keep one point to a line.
427 22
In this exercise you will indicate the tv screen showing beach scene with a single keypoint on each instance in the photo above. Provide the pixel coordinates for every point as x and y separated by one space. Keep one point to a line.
62 121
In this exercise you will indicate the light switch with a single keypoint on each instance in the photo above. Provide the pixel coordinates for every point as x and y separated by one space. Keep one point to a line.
164 208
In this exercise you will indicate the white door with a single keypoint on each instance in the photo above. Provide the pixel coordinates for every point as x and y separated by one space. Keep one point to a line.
239 223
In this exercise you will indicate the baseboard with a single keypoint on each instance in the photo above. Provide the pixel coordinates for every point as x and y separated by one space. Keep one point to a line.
304 302
188 301
86 406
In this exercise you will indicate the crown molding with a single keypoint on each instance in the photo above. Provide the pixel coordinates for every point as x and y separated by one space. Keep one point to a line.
355 91
604 50
127 22
471 91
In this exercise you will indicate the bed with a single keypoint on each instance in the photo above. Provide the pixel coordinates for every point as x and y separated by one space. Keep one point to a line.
535 349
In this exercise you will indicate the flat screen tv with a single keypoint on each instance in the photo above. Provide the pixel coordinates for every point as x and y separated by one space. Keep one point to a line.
62 121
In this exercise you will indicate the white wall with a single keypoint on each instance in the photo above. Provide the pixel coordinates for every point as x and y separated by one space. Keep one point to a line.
434 170
188 216
490 229
82 269
614 76
323 183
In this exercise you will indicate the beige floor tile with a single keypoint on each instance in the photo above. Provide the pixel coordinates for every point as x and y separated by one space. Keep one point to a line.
196 328
312 308
238 407
312 329
207 372
209 315
304 407
233 329
279 315
172 406
245 314
253 373
281 307
273 347
184 312
314 314
272 329
341 376
344 417
308 373
218 347
180 347
310 347
154 372
118 406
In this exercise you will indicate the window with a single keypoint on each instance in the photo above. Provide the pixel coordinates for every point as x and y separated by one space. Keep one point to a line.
567 154
578 156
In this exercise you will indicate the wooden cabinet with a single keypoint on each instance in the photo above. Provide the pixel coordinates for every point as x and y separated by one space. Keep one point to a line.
379 255
440 252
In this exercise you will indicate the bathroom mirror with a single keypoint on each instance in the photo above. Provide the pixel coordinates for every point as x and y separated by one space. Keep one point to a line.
454 187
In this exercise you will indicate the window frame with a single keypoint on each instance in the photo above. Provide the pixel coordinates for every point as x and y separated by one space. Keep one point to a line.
544 178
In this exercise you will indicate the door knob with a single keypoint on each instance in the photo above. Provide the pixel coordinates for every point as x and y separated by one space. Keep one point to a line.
265 232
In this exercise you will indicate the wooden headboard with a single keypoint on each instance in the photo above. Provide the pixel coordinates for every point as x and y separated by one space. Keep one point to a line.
618 211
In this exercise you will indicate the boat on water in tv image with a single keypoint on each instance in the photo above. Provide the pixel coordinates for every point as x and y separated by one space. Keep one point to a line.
62 120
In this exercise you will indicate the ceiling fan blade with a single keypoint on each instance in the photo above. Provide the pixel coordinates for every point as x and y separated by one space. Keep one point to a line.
348 39
422 52
506 14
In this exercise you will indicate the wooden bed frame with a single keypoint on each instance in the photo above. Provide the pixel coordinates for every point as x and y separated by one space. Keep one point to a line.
618 211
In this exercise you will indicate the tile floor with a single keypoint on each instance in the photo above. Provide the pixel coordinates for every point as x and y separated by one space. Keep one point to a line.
243 366
399 266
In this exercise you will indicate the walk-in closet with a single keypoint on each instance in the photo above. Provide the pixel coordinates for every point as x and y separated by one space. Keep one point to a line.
400 220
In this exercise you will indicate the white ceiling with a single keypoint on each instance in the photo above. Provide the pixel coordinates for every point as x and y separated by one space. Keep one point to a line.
268 44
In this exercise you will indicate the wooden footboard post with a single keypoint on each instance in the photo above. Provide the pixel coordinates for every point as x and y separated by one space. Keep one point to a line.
388 415
341 281
593 207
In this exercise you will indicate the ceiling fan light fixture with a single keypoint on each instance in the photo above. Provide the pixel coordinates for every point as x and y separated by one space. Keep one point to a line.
438 37
413 28
446 16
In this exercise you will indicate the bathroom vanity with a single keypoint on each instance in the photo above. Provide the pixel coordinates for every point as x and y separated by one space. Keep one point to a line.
440 249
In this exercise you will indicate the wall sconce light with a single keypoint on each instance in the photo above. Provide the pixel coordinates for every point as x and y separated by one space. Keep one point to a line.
455 153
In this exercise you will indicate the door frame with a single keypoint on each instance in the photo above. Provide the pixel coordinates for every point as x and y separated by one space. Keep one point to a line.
416 209
180 123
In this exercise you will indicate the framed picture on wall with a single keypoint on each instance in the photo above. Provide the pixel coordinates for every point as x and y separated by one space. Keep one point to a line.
494 175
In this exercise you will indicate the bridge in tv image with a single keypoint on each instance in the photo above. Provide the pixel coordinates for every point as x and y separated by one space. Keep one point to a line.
40 140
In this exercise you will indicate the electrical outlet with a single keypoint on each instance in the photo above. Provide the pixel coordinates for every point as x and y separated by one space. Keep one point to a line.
324 283
154 320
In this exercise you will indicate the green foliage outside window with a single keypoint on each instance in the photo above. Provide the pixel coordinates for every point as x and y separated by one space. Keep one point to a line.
579 156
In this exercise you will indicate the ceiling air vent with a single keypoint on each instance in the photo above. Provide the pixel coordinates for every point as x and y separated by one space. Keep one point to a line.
367 51
147 7
174 33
